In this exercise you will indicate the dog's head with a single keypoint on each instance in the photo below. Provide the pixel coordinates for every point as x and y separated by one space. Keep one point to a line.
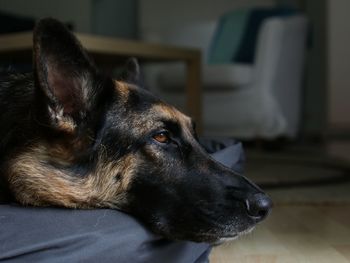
106 143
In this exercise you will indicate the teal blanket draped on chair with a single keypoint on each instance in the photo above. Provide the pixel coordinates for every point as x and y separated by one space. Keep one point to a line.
237 32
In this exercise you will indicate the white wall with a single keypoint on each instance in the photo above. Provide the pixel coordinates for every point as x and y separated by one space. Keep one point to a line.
159 14
339 63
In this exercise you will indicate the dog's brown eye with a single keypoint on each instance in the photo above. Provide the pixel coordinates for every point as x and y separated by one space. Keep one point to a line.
162 137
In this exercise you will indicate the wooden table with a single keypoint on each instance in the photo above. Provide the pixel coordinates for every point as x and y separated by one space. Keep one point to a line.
17 47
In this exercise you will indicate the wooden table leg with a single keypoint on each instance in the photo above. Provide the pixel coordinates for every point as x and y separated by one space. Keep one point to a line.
193 91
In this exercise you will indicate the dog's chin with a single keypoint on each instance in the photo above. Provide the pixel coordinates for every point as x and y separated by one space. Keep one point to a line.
213 237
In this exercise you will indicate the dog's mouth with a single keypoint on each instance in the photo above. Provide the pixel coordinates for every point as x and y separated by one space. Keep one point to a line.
218 239
232 237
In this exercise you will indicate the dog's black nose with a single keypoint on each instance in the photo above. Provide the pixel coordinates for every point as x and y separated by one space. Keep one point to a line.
258 206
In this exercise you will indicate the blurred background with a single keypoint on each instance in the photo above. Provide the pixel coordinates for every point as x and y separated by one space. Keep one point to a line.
320 94
275 75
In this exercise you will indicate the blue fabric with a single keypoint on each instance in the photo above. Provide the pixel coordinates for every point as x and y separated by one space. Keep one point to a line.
227 36
56 235
236 35
227 151
246 51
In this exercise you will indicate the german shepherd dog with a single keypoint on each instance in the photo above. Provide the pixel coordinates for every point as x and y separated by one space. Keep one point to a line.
73 137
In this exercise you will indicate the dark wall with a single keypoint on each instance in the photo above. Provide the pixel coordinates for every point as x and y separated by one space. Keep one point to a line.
115 18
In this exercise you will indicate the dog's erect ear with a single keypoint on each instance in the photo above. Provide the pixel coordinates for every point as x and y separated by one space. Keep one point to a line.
64 73
131 72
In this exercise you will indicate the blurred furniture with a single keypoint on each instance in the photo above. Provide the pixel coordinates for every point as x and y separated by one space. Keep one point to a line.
109 52
245 100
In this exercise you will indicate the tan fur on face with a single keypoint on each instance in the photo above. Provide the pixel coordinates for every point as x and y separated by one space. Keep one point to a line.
63 123
35 181
160 110
123 89
171 113
63 151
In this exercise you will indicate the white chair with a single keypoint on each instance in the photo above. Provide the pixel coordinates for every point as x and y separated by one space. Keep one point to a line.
259 100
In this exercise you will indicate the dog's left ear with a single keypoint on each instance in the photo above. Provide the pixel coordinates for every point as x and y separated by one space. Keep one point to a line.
64 73
131 72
